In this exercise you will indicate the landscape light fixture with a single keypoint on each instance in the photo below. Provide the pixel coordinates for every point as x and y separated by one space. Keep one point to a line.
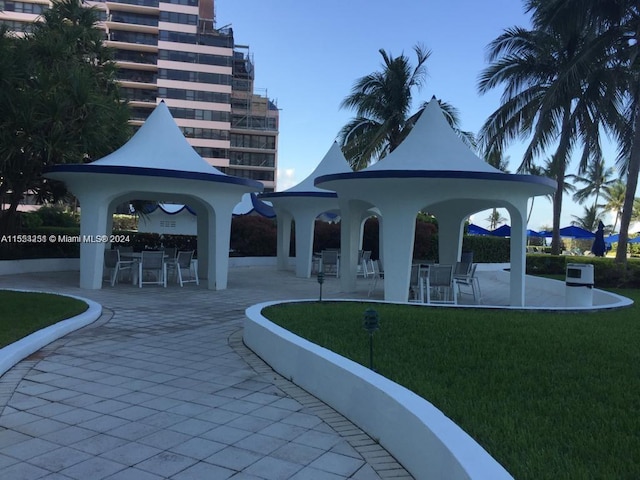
320 281
371 324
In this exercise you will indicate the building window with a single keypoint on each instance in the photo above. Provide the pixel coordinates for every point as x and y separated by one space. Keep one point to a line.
199 77
17 26
264 142
133 37
199 58
197 114
136 57
253 123
181 18
206 133
193 95
252 159
141 76
21 7
133 18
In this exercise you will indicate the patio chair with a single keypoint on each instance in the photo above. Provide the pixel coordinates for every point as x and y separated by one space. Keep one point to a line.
116 266
439 283
330 262
152 263
469 282
185 263
377 274
416 282
365 267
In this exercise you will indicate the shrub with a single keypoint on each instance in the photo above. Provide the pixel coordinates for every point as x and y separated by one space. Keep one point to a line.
125 222
253 236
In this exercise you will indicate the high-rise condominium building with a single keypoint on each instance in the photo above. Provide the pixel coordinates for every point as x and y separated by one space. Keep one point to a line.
171 50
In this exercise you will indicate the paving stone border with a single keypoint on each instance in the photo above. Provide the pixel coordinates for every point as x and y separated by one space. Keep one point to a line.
383 463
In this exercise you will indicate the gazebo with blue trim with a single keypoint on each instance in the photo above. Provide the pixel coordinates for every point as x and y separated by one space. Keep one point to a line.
157 164
303 203
432 170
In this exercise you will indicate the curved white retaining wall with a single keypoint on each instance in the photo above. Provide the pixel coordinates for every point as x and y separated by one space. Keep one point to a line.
12 354
11 267
427 443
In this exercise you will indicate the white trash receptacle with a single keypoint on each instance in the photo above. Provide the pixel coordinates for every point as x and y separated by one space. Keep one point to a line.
579 285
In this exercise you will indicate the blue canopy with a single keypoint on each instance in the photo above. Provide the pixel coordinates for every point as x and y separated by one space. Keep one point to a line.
634 240
533 233
503 231
576 232
612 238
477 230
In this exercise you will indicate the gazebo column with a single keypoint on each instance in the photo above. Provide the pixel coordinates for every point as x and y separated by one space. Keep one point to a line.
283 219
517 252
204 234
304 224
218 261
92 253
398 234
450 231
351 212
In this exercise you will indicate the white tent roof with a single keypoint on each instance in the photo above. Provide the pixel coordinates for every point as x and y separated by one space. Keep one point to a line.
333 162
159 144
433 145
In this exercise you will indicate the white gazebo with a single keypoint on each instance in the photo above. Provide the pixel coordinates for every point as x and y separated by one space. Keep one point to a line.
433 170
157 164
303 203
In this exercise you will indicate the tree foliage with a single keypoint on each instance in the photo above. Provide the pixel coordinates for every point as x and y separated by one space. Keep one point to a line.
382 103
59 102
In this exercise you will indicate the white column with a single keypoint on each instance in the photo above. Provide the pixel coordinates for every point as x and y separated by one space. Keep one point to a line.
398 234
305 225
92 223
518 253
283 219
219 247
204 219
450 232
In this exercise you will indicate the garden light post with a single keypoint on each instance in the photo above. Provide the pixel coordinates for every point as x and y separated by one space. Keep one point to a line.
320 281
371 324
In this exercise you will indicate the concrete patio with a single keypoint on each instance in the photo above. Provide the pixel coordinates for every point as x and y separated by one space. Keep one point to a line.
161 386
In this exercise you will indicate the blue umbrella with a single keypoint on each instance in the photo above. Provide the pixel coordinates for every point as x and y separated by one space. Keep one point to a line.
599 247
634 240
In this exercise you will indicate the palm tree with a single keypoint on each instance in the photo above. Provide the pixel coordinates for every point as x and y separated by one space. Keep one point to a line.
614 196
495 219
382 103
617 23
497 160
549 97
589 219
596 177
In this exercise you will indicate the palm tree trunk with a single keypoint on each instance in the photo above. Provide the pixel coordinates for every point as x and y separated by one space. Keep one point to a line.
632 183
560 167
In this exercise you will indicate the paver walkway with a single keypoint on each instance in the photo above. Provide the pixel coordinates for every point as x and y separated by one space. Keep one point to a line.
161 387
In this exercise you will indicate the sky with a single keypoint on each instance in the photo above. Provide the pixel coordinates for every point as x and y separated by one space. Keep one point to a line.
308 55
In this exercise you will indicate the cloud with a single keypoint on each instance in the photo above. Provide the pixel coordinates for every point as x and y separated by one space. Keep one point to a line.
286 179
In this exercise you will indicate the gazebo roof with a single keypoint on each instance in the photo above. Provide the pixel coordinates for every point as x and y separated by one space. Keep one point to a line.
432 150
433 145
158 149
332 162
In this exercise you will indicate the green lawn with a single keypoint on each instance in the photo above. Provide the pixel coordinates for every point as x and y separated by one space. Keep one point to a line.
22 313
549 395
